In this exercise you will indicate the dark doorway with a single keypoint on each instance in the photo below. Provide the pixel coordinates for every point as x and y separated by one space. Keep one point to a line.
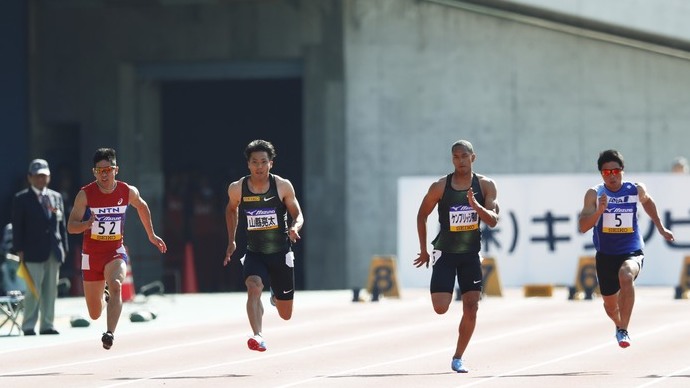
62 144
205 127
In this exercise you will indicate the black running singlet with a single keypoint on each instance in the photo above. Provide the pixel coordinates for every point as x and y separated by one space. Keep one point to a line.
266 219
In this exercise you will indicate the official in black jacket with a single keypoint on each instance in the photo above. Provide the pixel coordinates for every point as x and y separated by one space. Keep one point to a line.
40 240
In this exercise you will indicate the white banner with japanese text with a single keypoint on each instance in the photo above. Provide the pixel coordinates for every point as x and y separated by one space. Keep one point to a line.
537 238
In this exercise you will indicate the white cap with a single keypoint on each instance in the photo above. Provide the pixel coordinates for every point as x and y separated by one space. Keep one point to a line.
39 166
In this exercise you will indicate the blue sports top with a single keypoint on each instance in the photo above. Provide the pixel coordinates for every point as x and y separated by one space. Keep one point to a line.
617 232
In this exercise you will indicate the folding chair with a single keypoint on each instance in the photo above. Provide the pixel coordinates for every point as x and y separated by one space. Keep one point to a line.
10 308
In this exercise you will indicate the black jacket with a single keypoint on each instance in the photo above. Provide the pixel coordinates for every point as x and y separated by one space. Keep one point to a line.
34 233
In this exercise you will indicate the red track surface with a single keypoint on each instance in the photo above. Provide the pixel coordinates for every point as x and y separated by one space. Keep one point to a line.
200 340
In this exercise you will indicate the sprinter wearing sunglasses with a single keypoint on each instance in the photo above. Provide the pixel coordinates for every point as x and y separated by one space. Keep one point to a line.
610 209
99 213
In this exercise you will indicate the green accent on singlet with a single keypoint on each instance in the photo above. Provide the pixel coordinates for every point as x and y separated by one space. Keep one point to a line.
266 216
454 204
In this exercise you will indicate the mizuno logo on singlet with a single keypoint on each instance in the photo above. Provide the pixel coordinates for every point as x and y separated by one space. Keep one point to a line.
259 212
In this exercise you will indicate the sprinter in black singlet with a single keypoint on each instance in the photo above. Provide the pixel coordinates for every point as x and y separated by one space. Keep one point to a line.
265 200
464 200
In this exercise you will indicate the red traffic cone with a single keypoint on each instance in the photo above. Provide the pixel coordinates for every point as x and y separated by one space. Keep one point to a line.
189 283
128 285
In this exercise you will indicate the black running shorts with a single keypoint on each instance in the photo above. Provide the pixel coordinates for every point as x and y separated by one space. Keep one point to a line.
446 266
608 267
277 270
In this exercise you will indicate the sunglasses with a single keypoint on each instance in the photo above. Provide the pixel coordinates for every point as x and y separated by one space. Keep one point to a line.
107 170
611 171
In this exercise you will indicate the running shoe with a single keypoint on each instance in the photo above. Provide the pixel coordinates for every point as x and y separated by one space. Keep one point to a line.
457 366
623 338
272 299
107 339
257 343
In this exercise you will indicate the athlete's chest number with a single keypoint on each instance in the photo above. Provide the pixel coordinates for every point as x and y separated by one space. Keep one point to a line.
618 223
106 227
107 230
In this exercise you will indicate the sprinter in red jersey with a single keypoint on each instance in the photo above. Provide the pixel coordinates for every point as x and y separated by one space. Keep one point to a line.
99 213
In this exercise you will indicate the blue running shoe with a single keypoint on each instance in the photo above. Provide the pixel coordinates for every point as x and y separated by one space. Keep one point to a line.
457 366
257 343
623 338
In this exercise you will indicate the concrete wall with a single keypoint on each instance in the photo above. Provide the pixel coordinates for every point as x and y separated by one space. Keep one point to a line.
93 67
389 85
421 75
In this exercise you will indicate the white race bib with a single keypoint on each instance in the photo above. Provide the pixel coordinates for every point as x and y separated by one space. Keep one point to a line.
108 223
107 229
262 219
617 222
463 218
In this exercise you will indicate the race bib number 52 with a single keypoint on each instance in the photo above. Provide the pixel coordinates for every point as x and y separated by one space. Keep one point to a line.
106 229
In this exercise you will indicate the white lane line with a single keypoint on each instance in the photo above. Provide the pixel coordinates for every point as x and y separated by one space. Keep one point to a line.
232 337
264 356
404 359
126 355
567 356
386 332
664 377
424 355
72 341
184 345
